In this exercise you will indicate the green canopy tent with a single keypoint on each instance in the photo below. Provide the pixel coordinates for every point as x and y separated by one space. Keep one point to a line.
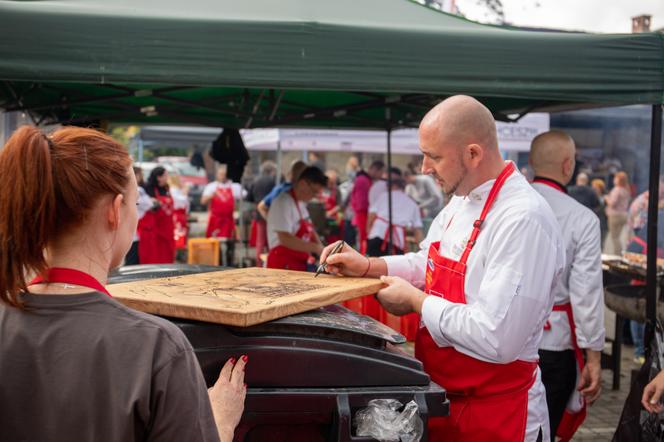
347 63
300 62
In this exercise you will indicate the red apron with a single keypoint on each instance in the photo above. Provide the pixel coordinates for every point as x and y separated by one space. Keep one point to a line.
281 257
71 276
181 228
221 223
572 419
489 401
396 241
156 233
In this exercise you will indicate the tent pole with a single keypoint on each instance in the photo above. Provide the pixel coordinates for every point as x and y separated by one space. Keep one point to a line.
140 149
278 161
653 200
389 181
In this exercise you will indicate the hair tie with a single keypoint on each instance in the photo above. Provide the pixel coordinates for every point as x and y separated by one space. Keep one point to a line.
48 141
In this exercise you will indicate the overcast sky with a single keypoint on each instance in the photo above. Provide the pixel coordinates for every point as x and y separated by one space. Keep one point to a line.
607 16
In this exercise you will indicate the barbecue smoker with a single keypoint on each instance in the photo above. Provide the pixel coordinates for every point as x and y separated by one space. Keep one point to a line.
308 374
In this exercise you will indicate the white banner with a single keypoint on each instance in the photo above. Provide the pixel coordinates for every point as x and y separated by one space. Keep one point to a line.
512 137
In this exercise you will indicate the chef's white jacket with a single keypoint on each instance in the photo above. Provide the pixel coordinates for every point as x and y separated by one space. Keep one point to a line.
581 280
512 269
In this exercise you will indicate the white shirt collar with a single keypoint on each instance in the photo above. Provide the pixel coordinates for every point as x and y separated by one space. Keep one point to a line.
481 192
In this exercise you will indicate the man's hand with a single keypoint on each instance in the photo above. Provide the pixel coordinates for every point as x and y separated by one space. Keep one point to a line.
652 394
227 397
347 261
590 382
400 297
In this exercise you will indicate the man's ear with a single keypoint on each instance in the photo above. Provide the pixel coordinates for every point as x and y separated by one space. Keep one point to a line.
113 213
568 167
475 153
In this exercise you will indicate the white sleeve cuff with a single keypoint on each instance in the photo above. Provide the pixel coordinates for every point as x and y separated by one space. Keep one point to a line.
398 265
432 310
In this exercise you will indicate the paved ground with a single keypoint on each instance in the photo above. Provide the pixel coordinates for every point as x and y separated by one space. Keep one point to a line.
603 416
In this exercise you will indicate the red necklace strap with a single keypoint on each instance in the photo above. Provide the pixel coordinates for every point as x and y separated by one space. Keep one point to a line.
493 193
71 276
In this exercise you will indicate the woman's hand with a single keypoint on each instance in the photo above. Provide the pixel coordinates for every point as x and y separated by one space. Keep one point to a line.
652 394
227 397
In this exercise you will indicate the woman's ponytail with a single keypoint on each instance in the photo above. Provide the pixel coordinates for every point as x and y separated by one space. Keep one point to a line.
27 209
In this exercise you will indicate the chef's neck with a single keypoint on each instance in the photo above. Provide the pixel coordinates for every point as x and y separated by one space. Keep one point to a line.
552 174
489 170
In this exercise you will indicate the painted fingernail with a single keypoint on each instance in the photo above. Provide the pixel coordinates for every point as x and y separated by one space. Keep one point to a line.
232 360
245 358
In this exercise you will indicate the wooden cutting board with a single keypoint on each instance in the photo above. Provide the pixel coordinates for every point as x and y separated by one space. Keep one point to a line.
240 297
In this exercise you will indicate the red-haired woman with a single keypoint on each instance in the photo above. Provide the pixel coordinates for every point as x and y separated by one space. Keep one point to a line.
156 229
75 364
617 204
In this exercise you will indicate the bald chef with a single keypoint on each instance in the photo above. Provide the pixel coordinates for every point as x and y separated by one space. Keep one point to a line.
576 326
486 268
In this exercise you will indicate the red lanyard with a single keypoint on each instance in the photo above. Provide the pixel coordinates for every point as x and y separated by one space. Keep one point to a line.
71 276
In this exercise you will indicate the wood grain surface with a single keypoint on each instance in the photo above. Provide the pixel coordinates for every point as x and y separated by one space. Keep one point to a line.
240 297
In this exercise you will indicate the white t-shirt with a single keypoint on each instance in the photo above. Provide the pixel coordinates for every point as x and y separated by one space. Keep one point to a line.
376 189
180 199
581 283
510 275
284 217
212 187
405 213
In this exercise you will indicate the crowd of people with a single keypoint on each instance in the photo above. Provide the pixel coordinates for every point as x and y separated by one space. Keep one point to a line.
356 210
503 282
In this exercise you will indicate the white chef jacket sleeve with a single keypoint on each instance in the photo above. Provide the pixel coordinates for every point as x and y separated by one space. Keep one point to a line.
586 289
210 189
514 298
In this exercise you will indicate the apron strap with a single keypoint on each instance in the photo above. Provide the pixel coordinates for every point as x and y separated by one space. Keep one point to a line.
506 172
394 229
567 308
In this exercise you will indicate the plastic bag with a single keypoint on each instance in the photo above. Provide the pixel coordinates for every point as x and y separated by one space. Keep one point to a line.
383 421
636 424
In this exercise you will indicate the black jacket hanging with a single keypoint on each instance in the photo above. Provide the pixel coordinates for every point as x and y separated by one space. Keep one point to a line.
229 149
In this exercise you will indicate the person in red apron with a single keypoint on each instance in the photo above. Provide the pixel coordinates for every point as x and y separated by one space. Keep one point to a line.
60 324
331 199
359 199
180 196
291 236
481 281
156 228
221 195
576 325
405 215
